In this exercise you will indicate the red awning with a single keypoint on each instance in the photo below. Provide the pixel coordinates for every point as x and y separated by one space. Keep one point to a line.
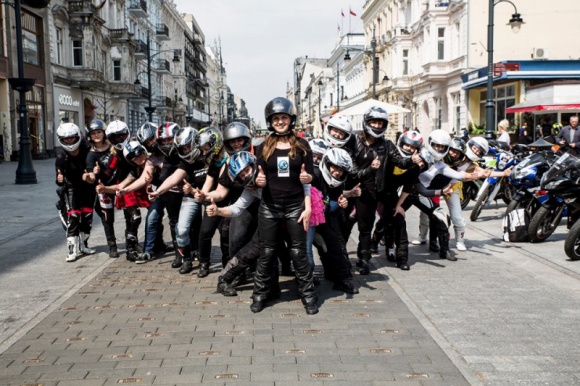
524 107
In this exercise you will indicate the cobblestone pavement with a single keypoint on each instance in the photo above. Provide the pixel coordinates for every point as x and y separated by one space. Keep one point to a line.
503 314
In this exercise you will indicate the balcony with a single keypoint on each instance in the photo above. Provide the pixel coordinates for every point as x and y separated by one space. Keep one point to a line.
141 51
81 8
138 8
86 78
124 90
163 66
197 38
121 35
162 32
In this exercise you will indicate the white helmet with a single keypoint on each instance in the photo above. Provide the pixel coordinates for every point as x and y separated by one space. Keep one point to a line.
132 150
341 123
438 137
318 146
336 157
118 134
69 130
481 148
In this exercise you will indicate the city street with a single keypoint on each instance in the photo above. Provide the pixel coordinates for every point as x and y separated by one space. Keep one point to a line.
504 313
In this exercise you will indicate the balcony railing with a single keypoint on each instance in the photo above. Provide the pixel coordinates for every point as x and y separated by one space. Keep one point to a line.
138 8
163 66
168 102
81 6
141 51
121 34
162 32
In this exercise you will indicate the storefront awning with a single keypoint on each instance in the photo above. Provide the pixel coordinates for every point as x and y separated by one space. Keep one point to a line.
531 106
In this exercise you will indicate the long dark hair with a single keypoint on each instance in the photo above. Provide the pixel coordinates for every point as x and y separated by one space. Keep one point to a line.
295 145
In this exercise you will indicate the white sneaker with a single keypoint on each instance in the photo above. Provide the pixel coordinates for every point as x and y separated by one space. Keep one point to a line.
419 241
461 246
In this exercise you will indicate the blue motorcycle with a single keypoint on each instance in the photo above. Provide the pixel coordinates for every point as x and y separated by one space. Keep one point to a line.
494 188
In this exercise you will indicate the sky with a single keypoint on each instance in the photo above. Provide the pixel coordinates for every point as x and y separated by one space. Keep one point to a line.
260 39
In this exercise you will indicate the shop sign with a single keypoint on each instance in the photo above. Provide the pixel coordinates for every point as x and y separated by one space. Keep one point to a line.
67 100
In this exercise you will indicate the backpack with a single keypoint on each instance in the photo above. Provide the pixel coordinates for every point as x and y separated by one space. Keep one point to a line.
515 226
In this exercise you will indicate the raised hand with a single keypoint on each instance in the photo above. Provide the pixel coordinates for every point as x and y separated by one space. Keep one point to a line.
100 188
356 191
417 160
342 202
212 209
59 176
198 195
260 178
305 178
376 163
187 188
96 168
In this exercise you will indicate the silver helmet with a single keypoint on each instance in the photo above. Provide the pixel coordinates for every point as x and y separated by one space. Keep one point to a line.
185 141
237 130
339 158
340 123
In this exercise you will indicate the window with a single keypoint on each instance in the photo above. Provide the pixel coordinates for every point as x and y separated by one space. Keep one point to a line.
59 46
31 38
77 53
504 97
440 43
117 70
457 102
405 62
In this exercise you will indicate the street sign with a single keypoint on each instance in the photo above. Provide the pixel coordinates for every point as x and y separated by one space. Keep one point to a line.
500 68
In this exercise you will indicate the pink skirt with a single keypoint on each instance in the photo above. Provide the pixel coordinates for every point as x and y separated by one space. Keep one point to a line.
317 206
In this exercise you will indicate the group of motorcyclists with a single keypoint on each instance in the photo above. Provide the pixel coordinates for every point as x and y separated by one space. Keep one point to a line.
271 203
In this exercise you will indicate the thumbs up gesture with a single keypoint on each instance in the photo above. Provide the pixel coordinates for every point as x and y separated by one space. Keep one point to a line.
100 187
187 188
198 195
260 178
305 178
211 210
376 163
356 191
59 176
342 202
96 168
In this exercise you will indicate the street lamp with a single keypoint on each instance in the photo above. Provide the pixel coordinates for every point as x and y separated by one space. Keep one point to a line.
373 54
151 109
515 22
25 173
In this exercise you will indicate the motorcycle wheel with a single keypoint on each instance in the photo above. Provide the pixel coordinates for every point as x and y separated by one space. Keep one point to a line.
572 243
476 211
540 228
513 205
469 192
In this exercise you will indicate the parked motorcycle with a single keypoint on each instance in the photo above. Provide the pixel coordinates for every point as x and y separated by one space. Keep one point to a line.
562 183
494 188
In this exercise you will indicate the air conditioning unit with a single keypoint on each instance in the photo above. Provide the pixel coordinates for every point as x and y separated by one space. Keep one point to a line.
540 54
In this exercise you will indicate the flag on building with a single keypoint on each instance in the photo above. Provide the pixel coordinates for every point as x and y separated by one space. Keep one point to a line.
351 12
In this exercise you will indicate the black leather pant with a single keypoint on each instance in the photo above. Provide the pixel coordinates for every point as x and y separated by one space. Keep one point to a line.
272 218
79 200
395 228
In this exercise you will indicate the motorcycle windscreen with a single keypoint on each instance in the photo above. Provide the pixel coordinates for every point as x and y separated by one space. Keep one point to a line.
565 163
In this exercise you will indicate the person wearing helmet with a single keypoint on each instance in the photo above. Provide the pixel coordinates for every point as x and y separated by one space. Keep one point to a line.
237 137
147 136
118 134
285 166
77 194
372 153
337 131
436 179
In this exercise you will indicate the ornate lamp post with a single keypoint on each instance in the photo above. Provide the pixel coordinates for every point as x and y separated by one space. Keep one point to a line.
515 22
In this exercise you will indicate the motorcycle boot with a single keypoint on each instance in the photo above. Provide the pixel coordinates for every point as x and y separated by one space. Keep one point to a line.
131 246
445 252
179 257
225 288
187 263
113 252
203 270
364 262
84 244
73 248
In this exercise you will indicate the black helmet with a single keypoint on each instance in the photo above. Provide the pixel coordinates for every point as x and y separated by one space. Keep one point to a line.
95 125
280 105
375 113
458 145
236 130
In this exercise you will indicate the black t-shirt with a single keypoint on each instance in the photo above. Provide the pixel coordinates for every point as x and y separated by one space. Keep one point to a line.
72 167
196 173
283 173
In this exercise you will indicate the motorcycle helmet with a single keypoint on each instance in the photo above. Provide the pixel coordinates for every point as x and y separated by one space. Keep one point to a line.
280 105
442 140
476 148
118 134
95 125
165 132
238 163
185 143
145 133
375 113
66 133
236 130
412 138
335 157
210 143
318 147
340 123
132 150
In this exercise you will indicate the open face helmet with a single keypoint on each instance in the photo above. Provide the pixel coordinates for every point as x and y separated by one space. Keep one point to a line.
145 134
185 143
476 148
210 143
458 145
237 130
133 150
339 158
280 105
118 134
340 123
412 138
318 147
69 136
243 168
379 114
165 136
438 144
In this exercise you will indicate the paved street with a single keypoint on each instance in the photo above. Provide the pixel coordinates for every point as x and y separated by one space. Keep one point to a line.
504 313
